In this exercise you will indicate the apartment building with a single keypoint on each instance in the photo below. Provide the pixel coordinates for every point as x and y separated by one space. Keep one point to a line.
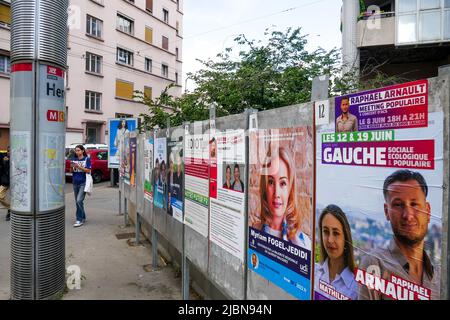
116 47
407 38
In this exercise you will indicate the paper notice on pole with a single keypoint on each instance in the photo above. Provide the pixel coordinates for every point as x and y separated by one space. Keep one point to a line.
51 170
20 171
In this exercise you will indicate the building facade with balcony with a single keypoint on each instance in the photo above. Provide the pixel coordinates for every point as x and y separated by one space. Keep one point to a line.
116 47
406 38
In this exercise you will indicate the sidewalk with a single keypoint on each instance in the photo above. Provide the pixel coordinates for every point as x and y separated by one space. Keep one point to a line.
110 268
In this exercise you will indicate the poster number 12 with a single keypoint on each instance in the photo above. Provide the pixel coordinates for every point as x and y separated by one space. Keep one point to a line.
322 112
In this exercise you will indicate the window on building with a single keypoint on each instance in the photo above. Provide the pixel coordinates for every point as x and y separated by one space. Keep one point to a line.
149 5
148 35
93 63
166 15
148 91
5 15
430 4
165 70
406 6
447 24
177 53
125 24
124 89
94 26
93 101
165 43
123 115
178 27
148 65
124 56
406 28
430 26
176 77
5 64
420 21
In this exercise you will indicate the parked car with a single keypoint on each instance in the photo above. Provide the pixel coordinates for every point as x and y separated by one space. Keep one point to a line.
70 149
99 164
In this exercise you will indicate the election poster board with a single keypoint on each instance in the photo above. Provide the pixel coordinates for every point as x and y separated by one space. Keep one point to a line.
379 198
148 169
196 189
160 168
227 205
118 130
133 155
280 207
175 178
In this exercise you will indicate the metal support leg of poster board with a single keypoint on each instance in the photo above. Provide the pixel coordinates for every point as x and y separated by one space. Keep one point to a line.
125 214
112 176
120 203
137 229
155 248
184 271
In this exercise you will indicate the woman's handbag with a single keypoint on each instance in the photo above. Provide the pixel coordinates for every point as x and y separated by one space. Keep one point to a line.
89 184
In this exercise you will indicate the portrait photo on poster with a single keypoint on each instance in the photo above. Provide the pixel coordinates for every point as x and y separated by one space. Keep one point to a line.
233 177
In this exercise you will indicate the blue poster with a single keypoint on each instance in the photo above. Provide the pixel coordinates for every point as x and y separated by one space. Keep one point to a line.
160 173
119 130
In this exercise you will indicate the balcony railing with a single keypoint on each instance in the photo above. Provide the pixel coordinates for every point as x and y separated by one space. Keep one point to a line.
381 15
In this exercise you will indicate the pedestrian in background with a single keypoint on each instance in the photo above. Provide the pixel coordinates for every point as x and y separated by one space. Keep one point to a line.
80 165
4 183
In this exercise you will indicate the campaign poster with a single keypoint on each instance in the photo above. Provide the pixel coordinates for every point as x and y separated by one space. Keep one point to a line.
379 202
175 178
160 173
148 169
197 182
125 162
118 130
280 207
133 155
227 205
394 107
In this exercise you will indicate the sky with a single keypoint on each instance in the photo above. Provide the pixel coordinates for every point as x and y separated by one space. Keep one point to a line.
211 25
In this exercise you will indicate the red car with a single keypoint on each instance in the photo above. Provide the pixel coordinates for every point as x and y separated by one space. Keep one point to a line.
99 164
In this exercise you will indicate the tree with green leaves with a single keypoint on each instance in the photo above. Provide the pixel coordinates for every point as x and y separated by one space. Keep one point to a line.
263 75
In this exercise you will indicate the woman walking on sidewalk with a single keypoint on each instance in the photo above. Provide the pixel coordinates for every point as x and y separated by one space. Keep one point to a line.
4 183
80 165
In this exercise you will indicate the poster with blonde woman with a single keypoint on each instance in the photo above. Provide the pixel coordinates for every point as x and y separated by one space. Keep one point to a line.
280 207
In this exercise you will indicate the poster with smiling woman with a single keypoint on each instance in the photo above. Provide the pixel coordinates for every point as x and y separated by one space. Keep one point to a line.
280 207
